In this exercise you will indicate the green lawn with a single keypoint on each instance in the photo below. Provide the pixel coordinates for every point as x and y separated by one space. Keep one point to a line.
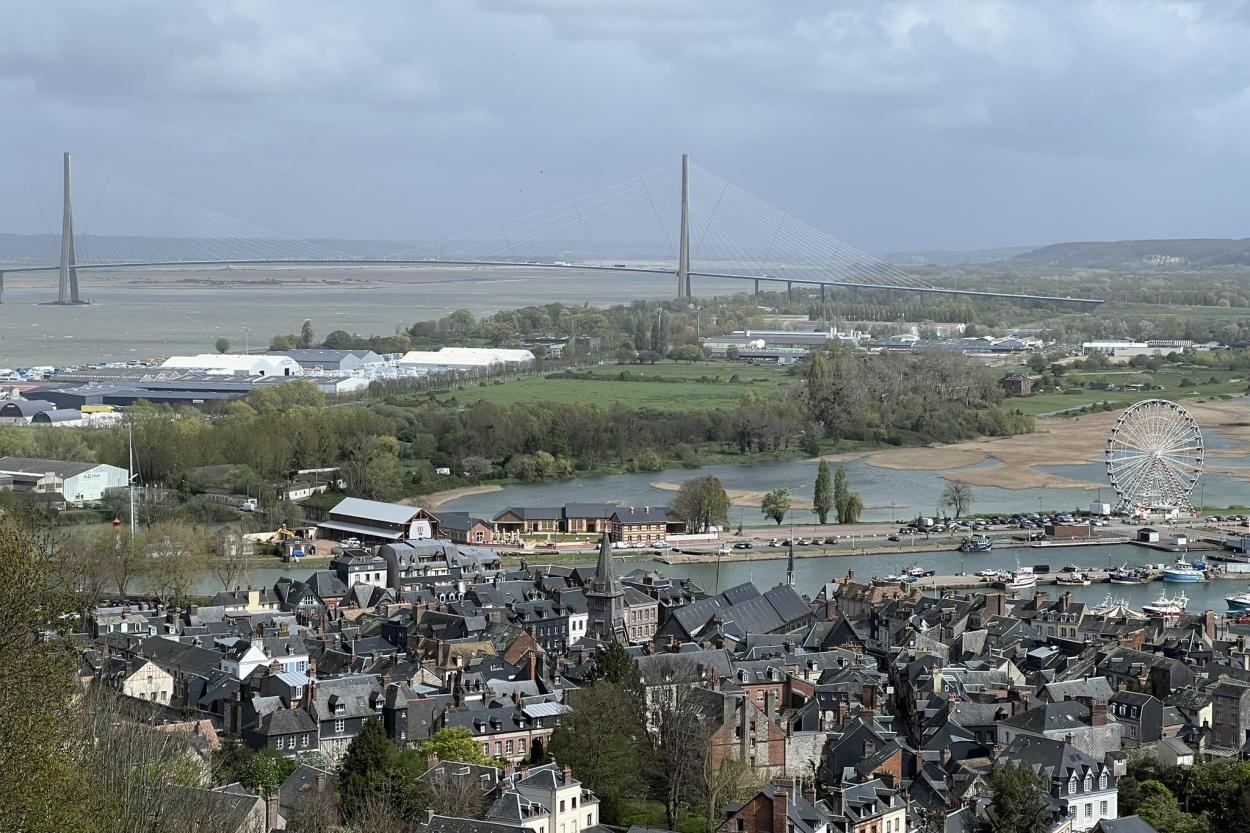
667 386
1226 383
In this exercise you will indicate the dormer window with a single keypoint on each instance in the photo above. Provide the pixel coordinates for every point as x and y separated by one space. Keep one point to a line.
1089 783
1072 785
1102 780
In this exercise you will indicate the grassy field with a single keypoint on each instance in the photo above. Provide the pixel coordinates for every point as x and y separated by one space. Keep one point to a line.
668 386
1207 383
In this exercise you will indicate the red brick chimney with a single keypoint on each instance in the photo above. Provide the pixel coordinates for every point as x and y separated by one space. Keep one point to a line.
1208 623
1097 713
781 809
869 697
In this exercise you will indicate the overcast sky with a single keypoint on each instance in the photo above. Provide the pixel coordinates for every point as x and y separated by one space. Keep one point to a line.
891 125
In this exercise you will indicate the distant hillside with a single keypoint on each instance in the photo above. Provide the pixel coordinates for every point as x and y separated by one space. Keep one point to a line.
943 257
1137 254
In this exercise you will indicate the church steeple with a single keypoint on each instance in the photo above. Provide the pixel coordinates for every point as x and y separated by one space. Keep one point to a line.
605 598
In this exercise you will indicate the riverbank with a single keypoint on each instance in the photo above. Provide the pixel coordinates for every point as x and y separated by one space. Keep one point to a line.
439 498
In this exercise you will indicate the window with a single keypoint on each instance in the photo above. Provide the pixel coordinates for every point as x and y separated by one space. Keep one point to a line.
290 742
508 747
498 748
303 739
340 726
573 802
1102 808
1089 783
1102 781
562 805
1089 811
520 745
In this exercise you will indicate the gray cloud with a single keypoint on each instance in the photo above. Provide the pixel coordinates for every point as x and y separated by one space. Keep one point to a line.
889 124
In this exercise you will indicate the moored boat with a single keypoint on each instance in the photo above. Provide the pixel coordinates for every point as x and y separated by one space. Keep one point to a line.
976 543
1182 572
1167 608
1124 575
1077 579
1022 579
1238 601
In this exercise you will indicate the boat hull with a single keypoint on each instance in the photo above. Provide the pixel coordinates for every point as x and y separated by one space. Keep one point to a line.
1173 577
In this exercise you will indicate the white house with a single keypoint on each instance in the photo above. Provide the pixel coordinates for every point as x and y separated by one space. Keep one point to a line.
78 482
236 364
139 678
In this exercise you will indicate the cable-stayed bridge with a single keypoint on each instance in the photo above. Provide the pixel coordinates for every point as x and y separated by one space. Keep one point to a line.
697 225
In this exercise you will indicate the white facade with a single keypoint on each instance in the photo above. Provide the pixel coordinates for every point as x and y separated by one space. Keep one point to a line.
245 365
78 487
577 626
149 682
1086 809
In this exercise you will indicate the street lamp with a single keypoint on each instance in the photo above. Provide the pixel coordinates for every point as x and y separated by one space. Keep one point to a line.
246 330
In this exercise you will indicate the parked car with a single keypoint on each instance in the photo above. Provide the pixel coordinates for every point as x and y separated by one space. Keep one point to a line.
831 541
743 545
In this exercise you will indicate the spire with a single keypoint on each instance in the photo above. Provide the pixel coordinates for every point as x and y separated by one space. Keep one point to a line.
790 562
605 582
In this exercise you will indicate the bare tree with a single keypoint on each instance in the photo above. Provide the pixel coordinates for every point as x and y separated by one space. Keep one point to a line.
176 554
723 780
679 739
958 496
316 811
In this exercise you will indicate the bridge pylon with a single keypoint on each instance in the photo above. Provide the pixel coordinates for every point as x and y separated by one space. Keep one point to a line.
67 290
683 248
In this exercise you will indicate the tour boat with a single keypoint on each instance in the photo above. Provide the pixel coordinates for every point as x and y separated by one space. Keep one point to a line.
1182 572
1165 607
1022 579
1238 601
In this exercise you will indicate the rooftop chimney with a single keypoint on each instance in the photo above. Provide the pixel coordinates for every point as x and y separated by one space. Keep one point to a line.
781 809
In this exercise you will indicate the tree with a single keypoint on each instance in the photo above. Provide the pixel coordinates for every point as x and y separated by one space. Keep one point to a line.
849 505
367 767
614 665
601 740
177 553
776 504
1017 805
1160 809
455 743
222 345
266 770
306 337
37 697
679 741
723 780
823 501
703 503
958 496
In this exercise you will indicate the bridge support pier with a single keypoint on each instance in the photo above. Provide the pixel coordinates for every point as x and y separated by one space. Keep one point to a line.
824 292
757 289
789 291
1 287
683 247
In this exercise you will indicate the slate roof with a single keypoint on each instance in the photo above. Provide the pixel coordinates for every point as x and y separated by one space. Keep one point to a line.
1051 717
1127 824
286 722
1096 687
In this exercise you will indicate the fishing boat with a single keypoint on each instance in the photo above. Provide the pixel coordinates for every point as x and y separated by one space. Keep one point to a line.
1115 608
1077 579
1238 601
1124 575
916 571
1022 579
1167 608
976 543
1182 572
887 581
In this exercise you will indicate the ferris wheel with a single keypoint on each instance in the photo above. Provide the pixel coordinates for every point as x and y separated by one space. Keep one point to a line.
1154 456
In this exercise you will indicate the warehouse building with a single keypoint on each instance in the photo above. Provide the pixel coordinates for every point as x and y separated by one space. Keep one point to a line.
23 411
464 358
235 364
78 482
331 361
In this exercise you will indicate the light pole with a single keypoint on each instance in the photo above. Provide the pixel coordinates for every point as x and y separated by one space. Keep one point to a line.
246 330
